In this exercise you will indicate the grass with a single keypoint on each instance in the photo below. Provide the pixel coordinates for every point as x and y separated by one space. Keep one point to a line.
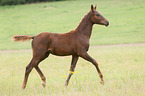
126 21
123 69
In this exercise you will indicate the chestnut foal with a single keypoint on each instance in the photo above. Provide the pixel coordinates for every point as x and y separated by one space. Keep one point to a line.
75 43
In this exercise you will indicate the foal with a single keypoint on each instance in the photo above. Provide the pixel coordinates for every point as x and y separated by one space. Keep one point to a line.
75 43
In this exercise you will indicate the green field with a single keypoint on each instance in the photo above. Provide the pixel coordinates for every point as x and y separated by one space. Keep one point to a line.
122 66
123 69
126 21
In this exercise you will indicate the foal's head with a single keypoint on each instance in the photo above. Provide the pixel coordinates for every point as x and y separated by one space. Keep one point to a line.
97 18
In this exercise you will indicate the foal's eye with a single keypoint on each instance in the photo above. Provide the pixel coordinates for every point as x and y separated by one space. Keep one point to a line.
97 15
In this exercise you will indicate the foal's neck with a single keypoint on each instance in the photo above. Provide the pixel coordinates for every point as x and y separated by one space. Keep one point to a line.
85 26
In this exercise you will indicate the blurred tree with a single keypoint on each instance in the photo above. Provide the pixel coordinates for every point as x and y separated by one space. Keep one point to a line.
14 2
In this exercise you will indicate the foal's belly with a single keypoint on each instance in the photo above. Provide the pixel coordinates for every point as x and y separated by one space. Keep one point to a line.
62 50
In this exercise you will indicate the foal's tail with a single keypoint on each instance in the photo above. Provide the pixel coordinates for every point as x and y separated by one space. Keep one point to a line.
22 38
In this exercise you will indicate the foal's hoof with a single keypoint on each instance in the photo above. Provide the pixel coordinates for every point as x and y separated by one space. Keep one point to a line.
102 82
66 84
43 84
23 87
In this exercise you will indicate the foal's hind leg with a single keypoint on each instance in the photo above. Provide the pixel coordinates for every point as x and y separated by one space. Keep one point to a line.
34 63
28 70
40 72
41 75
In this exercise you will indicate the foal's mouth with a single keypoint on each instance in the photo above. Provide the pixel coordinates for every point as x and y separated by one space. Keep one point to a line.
107 24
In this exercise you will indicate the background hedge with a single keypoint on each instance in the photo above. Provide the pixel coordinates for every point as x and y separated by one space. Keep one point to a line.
15 2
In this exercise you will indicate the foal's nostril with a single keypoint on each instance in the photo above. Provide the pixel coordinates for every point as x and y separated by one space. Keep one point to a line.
107 24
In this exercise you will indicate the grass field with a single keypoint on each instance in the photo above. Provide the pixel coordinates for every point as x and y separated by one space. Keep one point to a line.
126 21
122 66
123 69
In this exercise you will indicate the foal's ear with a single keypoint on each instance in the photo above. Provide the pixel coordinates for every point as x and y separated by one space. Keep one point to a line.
92 8
95 7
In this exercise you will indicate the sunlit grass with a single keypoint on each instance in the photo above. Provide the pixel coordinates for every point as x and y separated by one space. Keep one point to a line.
123 69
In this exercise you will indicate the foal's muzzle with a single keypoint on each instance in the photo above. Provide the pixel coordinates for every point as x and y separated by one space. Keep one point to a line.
107 24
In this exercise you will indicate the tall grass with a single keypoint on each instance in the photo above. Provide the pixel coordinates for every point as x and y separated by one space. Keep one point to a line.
126 20
123 69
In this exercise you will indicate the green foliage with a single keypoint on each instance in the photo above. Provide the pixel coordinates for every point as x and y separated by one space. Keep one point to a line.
14 2
123 69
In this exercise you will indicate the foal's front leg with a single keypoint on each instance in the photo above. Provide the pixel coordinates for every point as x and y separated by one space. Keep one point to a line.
73 64
93 61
